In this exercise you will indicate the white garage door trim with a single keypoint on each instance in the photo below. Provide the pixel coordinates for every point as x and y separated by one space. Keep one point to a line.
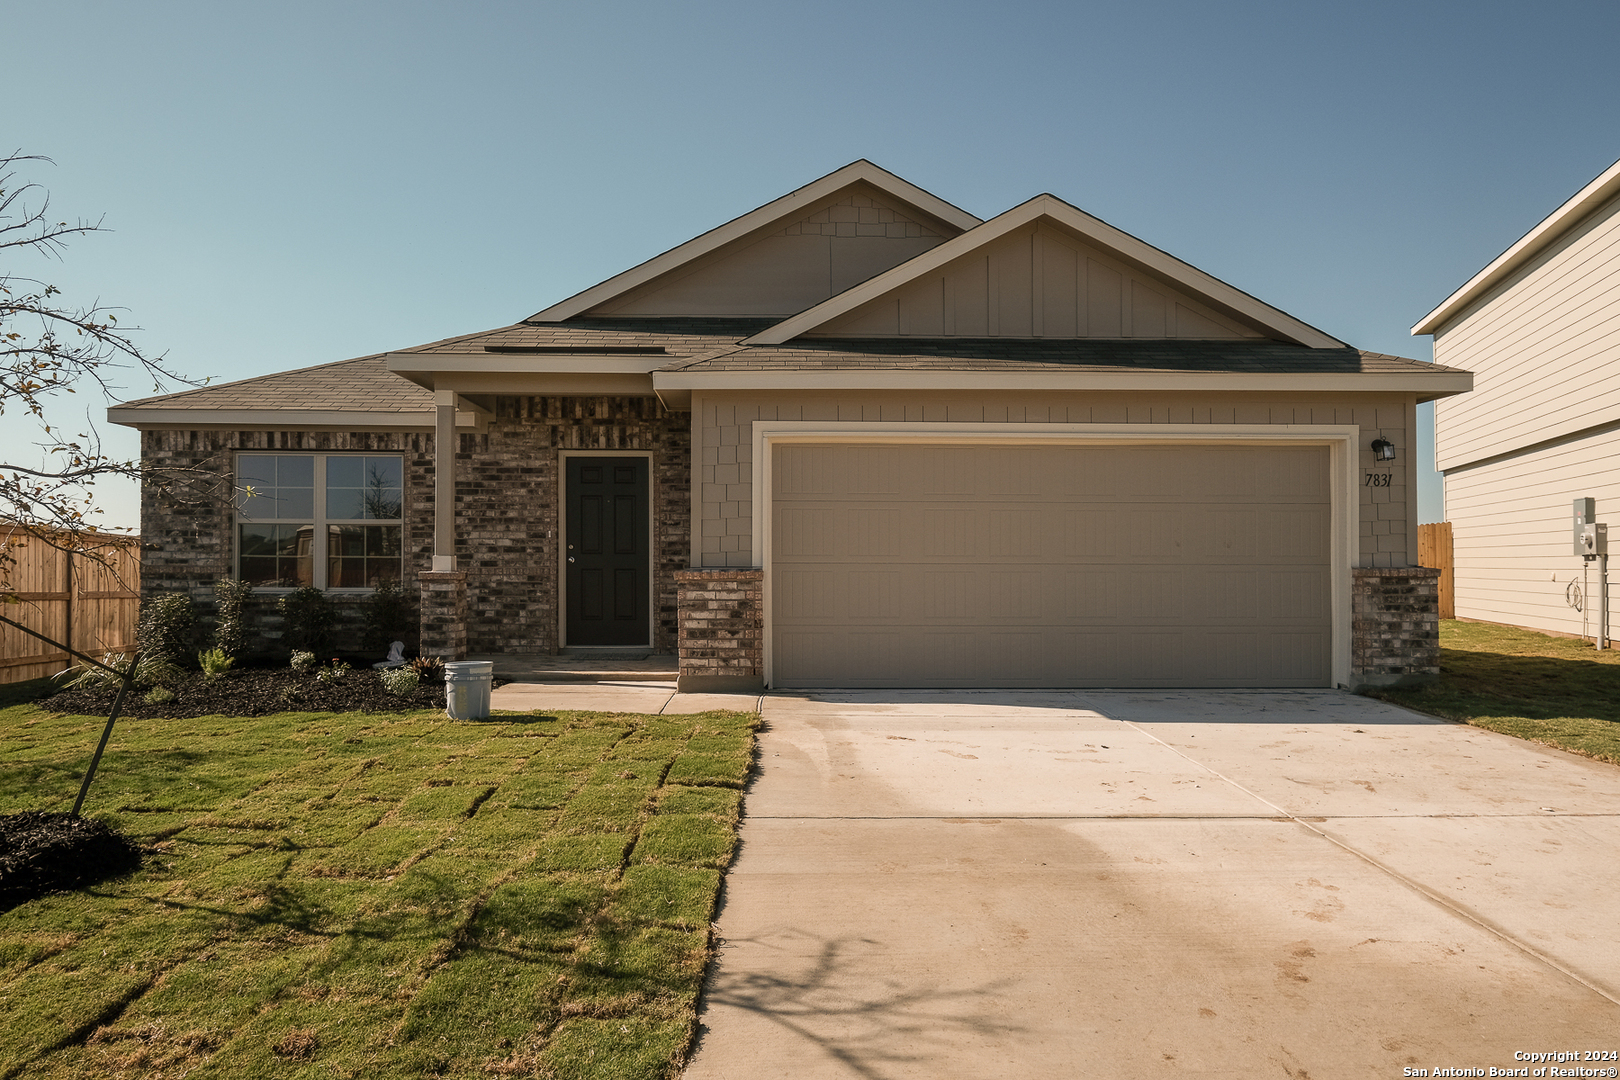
1341 440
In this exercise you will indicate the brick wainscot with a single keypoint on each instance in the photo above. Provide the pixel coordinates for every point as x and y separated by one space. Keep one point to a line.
1394 626
722 630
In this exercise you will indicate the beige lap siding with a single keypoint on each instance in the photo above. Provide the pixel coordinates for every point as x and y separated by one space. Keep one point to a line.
722 497
1511 533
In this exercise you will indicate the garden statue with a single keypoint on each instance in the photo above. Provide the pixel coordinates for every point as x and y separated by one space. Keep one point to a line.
396 657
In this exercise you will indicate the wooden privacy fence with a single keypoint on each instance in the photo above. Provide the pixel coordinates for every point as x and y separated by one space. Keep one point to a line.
82 591
1434 551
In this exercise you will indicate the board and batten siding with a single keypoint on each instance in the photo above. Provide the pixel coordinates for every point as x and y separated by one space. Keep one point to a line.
787 268
722 496
1510 523
1039 281
1542 347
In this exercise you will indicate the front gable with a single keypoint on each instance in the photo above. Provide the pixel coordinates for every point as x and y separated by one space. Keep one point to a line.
1045 269
854 235
1040 281
781 258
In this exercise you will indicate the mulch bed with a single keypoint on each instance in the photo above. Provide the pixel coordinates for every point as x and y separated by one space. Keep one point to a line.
42 853
253 692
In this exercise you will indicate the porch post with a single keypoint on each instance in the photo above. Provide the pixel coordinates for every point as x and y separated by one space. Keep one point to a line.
444 482
444 588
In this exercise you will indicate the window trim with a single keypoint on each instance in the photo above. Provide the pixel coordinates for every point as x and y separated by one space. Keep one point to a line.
320 523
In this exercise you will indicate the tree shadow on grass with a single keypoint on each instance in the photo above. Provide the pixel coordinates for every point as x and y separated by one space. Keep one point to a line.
831 999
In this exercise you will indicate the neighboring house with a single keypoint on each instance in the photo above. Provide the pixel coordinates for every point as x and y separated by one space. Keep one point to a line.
1540 329
855 437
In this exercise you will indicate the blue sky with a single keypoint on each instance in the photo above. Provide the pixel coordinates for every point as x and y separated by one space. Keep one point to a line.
297 183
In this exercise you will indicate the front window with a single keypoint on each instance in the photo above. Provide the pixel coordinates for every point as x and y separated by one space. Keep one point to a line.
334 521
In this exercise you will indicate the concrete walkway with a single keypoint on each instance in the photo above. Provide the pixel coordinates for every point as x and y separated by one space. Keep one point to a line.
1155 884
614 696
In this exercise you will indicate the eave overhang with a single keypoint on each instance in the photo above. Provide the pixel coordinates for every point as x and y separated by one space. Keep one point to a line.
1425 385
1532 244
517 373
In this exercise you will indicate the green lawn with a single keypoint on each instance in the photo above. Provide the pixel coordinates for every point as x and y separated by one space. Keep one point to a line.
1558 691
365 895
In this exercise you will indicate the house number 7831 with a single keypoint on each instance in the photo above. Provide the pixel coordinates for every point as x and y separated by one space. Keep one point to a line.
1378 479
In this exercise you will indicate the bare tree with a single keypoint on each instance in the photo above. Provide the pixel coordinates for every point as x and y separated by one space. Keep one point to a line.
50 348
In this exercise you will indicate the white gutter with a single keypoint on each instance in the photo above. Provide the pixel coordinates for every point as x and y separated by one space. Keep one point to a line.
1432 384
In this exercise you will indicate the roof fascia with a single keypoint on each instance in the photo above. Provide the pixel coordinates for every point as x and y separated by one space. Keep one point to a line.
502 363
739 227
1427 385
298 419
1531 244
1159 263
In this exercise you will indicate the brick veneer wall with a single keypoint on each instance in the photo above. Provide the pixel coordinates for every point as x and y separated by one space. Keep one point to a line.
506 510
1394 626
507 517
444 613
188 521
722 630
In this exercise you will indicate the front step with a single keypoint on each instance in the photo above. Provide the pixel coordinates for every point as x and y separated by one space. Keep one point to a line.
585 665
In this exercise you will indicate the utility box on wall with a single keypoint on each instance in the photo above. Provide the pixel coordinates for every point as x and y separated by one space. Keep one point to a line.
1585 531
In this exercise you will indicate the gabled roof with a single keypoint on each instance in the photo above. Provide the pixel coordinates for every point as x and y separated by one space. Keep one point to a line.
1208 289
1531 244
778 210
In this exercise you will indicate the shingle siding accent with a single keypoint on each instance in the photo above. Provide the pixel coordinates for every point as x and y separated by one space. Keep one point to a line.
1394 626
506 509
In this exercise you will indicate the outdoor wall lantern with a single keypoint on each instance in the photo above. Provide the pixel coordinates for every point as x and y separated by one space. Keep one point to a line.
1383 450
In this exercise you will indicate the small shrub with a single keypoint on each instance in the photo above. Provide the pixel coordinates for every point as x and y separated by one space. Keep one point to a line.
401 681
430 668
336 671
167 624
160 695
230 606
388 615
302 661
149 672
310 617
214 662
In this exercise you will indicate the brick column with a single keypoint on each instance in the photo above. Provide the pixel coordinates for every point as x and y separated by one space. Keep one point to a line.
722 631
444 613
1394 626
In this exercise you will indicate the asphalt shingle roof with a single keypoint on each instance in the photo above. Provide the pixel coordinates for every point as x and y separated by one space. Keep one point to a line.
698 345
361 385
680 337
1026 354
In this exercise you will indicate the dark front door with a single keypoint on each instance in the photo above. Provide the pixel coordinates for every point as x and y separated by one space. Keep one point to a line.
607 551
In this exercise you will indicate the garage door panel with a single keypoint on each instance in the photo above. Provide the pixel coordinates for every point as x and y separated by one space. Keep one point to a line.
1177 566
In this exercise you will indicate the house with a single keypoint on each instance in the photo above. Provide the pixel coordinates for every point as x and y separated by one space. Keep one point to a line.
1540 329
854 437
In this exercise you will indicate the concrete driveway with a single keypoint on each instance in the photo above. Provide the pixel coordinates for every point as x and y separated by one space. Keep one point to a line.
1285 884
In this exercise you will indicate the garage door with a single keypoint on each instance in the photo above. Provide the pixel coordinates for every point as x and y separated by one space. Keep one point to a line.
910 566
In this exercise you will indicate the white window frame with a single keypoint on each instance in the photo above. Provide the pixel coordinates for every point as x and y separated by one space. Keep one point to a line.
319 522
